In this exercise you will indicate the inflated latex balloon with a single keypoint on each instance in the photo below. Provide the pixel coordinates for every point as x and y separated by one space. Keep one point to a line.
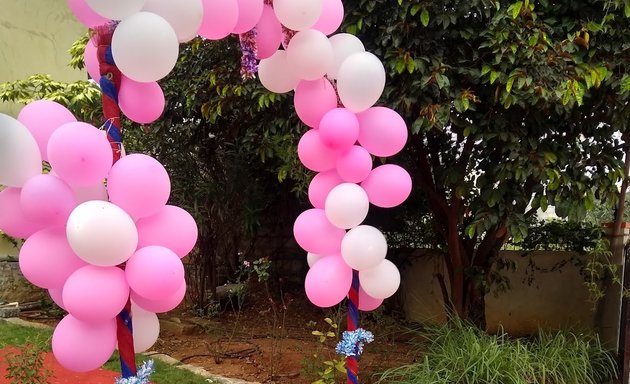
90 57
310 54
314 233
42 118
162 305
339 129
13 221
367 303
313 99
145 47
80 154
383 131
101 233
388 185
298 15
116 9
83 346
47 199
380 281
268 33
155 272
249 13
171 227
85 14
344 45
363 247
312 258
96 294
184 16
219 18
146 328
347 205
328 281
330 18
141 102
46 259
321 185
355 92
139 184
314 154
354 165
276 74
20 158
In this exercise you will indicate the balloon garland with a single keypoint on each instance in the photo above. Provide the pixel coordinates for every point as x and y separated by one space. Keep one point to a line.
94 228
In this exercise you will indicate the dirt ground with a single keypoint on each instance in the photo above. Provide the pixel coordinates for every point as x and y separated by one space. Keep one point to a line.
271 341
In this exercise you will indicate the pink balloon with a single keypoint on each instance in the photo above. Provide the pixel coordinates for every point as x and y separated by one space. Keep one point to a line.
96 294
368 303
90 57
82 346
219 18
155 272
321 185
163 305
331 17
46 259
387 186
80 154
328 281
315 233
249 13
314 154
92 192
354 165
85 14
13 221
171 227
339 129
383 131
268 33
42 118
141 102
47 199
56 296
313 99
139 184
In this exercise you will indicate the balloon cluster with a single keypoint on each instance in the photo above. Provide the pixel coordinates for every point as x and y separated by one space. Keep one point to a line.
81 221
336 84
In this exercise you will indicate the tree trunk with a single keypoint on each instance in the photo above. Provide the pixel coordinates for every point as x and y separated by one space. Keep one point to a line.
476 309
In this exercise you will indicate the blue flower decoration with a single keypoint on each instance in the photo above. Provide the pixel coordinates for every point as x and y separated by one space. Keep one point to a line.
142 377
352 342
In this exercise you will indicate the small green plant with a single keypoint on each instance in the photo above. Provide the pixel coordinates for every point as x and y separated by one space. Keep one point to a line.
261 268
26 366
463 354
599 270
327 367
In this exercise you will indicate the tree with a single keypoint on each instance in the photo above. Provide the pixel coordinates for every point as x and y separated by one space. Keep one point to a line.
513 107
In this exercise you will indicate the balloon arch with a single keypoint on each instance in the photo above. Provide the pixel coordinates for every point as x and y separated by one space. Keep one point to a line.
110 253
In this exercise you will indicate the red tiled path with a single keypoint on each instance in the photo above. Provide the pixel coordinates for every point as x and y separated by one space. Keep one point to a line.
62 375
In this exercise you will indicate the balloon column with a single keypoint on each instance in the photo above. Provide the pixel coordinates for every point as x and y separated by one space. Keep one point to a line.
292 46
79 230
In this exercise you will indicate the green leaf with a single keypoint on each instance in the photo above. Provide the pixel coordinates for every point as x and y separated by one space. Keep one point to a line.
424 17
515 9
493 76
550 157
626 8
510 83
415 9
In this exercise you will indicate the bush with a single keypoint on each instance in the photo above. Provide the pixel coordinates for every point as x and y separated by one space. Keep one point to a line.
462 354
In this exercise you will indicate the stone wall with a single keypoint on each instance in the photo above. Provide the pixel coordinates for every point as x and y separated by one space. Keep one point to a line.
14 287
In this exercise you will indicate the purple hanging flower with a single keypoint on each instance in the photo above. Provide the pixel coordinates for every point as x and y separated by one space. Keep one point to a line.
249 51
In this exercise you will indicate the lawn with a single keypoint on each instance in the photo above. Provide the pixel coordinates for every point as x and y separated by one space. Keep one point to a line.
16 335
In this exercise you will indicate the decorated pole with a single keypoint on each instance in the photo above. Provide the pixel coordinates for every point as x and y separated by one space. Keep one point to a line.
110 86
352 362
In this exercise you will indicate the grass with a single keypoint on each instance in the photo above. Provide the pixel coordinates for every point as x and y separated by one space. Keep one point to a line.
461 354
16 335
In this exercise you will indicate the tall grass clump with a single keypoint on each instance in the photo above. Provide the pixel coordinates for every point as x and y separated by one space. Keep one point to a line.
462 354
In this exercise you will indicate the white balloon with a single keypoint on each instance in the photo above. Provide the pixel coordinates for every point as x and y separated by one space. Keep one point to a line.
115 9
360 81
146 328
312 258
310 54
344 45
347 205
381 281
145 47
363 247
183 15
276 74
298 15
101 233
20 158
